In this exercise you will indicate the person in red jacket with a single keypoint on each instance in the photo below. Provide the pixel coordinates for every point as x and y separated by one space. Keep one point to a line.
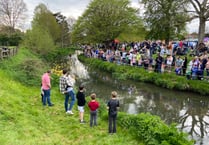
93 105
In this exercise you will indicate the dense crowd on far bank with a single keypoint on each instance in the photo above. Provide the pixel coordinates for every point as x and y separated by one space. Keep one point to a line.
184 58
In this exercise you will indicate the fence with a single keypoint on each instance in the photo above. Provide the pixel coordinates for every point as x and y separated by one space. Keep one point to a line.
7 52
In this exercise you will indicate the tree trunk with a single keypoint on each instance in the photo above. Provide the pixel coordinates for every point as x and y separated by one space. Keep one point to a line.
201 34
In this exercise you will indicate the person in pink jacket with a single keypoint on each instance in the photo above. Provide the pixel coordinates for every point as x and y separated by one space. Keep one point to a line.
46 86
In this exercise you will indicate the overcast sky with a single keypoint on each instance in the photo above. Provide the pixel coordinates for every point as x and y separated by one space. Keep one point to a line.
75 8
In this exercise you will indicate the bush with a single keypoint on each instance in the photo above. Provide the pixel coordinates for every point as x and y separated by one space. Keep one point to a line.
28 67
152 130
29 71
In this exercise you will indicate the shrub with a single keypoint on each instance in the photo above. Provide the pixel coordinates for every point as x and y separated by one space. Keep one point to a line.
152 130
30 71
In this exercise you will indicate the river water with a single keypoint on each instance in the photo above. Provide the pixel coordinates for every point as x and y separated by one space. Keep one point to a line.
190 111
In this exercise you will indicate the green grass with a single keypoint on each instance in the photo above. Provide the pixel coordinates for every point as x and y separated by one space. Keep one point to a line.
24 121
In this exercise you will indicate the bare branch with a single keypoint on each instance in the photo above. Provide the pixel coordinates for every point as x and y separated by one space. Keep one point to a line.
12 12
195 6
193 17
190 11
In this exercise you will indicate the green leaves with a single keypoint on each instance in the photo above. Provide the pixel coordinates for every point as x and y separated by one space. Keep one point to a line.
153 130
165 19
104 20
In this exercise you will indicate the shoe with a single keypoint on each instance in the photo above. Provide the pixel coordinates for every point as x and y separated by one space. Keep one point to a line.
82 122
69 112
51 105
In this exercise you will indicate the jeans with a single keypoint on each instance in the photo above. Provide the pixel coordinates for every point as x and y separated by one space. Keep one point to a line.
159 68
46 97
93 118
207 72
112 123
67 96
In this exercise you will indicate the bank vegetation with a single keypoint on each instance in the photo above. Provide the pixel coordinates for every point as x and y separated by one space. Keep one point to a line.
165 80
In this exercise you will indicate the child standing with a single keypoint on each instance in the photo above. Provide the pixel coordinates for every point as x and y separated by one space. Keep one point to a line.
112 106
81 103
93 105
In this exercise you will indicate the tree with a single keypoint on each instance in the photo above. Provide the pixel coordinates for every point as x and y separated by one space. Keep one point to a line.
44 33
71 21
10 39
45 19
135 32
12 12
65 31
202 13
39 41
165 19
103 21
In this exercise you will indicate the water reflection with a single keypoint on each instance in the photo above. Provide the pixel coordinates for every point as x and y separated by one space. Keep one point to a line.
189 111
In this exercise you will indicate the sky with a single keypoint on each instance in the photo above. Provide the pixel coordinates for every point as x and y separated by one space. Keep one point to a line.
75 8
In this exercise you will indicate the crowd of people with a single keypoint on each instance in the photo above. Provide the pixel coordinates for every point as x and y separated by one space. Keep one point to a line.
66 85
157 56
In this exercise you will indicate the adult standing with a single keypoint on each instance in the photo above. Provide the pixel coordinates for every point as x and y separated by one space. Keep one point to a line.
178 65
46 86
112 106
158 63
184 66
66 88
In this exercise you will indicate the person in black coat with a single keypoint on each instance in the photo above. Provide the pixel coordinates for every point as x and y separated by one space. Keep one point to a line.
112 106
81 101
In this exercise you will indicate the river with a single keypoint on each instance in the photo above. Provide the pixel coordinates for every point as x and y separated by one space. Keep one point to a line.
188 110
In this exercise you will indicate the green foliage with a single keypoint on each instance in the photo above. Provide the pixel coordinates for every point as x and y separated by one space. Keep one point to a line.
10 36
46 32
28 70
25 67
169 81
104 20
32 123
135 32
58 55
165 19
24 121
39 41
46 21
153 130
64 38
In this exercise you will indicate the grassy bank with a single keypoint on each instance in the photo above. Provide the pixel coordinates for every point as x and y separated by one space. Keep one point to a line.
24 121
